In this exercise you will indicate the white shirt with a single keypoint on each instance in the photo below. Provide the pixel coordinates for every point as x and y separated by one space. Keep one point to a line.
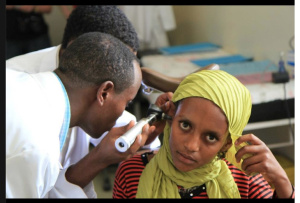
77 142
32 139
151 24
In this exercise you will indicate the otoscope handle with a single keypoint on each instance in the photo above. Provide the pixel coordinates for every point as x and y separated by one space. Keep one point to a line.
125 141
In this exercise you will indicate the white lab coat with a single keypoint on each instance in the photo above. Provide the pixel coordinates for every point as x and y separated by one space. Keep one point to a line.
77 142
151 24
76 145
33 103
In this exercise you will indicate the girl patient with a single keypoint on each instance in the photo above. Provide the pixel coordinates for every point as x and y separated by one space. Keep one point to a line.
203 154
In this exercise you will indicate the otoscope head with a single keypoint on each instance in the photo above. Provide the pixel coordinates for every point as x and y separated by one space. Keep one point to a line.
154 109
154 113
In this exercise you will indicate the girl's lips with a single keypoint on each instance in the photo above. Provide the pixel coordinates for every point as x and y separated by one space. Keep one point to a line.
185 158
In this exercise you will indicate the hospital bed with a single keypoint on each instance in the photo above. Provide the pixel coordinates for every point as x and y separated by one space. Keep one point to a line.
273 103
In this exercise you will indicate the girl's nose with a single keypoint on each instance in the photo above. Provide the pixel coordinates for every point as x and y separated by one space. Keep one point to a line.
192 143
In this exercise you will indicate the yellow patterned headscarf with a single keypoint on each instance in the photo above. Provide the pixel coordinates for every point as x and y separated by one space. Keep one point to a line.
160 178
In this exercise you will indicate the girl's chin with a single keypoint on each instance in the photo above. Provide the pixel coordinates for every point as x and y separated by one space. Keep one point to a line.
183 168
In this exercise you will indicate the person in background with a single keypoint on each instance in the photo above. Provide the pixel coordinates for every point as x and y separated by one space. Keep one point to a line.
152 24
66 10
26 29
203 154
106 19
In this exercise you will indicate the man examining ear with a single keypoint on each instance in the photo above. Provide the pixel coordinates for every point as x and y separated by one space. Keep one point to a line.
96 78
83 19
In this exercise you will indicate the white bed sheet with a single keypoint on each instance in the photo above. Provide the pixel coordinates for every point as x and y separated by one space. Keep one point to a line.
179 65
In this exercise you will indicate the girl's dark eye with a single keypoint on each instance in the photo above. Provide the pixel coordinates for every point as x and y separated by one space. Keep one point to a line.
184 125
211 138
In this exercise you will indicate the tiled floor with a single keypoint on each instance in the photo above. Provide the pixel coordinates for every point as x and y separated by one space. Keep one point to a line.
104 182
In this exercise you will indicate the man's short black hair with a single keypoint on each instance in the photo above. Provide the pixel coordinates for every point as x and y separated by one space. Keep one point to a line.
99 18
96 57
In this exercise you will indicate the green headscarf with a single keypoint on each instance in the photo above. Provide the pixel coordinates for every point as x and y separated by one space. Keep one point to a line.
160 178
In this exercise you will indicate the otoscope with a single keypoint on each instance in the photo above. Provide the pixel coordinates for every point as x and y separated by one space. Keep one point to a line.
154 113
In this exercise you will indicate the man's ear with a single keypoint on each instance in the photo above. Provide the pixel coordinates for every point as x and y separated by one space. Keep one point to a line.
105 90
227 144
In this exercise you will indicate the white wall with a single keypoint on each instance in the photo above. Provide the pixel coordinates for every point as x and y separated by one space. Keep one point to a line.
255 31
56 22
261 32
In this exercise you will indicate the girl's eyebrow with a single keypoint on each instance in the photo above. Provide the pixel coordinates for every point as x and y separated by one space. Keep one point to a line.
182 117
214 133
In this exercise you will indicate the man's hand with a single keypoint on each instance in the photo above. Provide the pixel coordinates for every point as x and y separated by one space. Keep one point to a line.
107 145
167 106
105 154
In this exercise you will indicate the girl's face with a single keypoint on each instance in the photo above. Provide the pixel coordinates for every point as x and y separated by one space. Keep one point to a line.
198 133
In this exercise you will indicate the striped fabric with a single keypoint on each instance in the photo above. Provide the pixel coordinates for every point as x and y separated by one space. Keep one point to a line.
129 172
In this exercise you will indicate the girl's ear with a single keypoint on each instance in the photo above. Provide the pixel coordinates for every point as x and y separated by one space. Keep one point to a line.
227 144
105 91
222 153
